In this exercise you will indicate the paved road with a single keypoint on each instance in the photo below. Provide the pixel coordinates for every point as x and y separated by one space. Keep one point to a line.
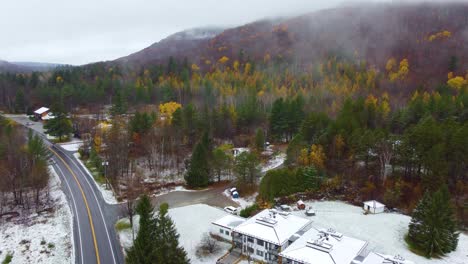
94 233
95 239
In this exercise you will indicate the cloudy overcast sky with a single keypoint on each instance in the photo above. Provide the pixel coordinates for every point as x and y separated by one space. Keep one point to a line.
83 31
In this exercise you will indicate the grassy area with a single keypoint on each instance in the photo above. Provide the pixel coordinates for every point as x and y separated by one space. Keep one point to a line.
122 224
98 177
7 259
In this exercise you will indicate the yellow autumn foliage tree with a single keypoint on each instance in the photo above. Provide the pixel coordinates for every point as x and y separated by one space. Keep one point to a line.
317 156
399 74
223 60
195 67
166 110
457 82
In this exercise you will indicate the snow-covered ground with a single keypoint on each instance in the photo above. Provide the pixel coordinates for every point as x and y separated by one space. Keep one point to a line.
73 145
44 238
242 201
107 194
385 232
192 222
274 162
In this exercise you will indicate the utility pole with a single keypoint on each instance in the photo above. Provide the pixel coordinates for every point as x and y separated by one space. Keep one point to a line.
105 164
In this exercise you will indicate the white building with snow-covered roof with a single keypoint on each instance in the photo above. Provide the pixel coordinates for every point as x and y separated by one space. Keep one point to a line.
377 258
263 236
223 227
373 207
323 246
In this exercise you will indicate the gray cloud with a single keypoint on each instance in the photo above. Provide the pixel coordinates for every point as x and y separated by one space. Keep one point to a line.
78 32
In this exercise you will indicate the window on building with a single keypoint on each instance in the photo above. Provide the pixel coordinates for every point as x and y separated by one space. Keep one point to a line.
251 250
260 242
227 233
249 239
266 256
221 230
260 253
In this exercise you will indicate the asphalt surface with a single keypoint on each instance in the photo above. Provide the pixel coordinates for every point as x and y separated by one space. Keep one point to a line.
93 228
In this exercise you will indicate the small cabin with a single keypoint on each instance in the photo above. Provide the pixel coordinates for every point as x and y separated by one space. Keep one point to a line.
40 113
374 207
301 205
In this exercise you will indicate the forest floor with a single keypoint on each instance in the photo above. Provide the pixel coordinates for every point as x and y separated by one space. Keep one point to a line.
41 238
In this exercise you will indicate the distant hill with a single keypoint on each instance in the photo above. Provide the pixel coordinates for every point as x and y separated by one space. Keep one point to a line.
432 37
186 43
25 67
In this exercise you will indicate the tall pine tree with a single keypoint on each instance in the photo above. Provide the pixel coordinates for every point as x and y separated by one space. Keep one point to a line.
167 240
142 250
432 230
198 173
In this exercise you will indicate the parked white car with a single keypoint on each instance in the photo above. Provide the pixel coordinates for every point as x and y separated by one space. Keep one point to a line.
231 210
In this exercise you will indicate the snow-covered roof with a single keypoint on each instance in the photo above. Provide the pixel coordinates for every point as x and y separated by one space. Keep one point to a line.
376 258
229 221
374 204
324 246
41 110
272 227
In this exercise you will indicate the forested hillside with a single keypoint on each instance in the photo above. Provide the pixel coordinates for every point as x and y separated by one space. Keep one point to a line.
371 101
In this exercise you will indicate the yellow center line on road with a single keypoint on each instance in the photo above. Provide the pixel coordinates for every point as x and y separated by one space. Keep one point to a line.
86 204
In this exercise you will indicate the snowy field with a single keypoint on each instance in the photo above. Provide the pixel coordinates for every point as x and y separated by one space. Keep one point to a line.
45 238
192 222
385 232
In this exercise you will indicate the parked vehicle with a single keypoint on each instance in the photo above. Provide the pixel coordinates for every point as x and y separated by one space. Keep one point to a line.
310 212
231 210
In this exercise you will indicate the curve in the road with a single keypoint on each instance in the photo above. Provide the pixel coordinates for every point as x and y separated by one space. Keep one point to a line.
86 204
86 177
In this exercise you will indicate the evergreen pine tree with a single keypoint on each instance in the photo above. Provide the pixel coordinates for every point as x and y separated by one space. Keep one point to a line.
143 246
198 173
60 125
260 139
20 101
312 178
167 249
432 229
278 120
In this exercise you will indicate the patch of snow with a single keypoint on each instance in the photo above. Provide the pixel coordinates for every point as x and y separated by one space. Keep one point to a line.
191 230
274 163
25 241
74 145
237 151
385 232
107 194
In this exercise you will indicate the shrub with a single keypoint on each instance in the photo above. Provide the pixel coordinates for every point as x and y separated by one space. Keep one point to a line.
7 259
249 210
